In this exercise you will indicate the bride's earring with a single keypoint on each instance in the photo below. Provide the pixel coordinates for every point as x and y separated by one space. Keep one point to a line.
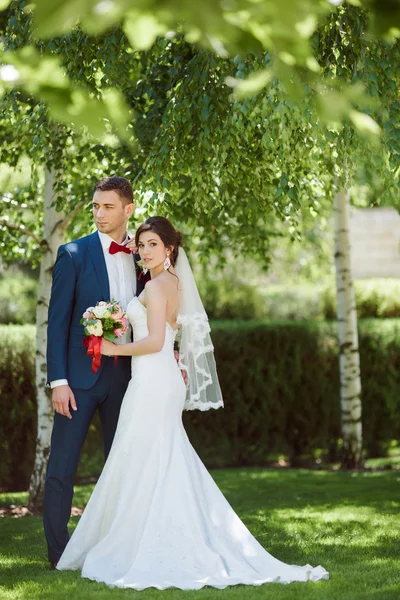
167 263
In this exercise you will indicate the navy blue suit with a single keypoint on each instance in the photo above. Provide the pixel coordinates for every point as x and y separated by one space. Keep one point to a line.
79 280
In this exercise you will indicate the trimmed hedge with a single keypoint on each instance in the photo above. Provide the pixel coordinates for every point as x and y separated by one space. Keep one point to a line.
17 405
281 388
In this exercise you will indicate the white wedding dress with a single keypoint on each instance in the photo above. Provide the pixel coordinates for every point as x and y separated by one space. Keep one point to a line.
156 518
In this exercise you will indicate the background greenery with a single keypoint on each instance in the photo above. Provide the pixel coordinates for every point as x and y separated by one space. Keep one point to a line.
281 387
228 166
230 295
18 296
275 158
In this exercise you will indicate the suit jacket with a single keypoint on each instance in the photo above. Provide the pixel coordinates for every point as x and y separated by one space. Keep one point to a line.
79 280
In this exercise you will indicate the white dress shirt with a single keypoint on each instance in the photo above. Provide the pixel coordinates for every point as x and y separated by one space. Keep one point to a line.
122 280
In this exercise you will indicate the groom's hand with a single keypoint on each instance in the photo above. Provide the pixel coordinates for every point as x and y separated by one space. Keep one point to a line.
62 398
132 246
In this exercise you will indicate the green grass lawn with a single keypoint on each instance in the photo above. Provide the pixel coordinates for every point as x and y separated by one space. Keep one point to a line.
347 522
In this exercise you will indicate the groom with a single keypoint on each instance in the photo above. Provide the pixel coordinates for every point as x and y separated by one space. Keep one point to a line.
93 268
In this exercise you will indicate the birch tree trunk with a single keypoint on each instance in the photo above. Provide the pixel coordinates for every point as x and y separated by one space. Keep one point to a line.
349 358
53 237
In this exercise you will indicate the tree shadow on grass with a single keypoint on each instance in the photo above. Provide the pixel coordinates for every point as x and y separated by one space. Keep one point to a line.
252 487
298 489
339 520
350 551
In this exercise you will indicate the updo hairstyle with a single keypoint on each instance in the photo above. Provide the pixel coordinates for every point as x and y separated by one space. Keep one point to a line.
167 232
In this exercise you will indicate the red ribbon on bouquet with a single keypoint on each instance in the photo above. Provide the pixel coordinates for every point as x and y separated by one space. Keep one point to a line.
93 343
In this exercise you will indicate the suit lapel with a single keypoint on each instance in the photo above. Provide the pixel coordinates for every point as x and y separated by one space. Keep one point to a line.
99 263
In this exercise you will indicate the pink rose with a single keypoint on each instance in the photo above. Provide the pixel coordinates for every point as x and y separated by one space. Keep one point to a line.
86 315
119 332
102 303
117 315
124 322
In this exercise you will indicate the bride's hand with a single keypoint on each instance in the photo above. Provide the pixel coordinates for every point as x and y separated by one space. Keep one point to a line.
184 373
108 348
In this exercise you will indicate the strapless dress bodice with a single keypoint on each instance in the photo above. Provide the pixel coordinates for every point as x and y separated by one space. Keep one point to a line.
137 315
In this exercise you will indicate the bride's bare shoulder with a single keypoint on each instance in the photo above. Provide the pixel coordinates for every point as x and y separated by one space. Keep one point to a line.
163 286
157 287
154 285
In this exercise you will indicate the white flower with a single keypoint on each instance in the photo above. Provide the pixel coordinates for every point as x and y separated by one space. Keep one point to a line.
99 311
96 329
107 313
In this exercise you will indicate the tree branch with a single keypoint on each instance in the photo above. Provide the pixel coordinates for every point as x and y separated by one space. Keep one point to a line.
22 229
64 224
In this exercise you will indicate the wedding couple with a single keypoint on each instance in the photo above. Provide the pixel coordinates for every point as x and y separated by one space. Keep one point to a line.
155 518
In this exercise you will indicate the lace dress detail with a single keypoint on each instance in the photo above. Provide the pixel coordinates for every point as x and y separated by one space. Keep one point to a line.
156 518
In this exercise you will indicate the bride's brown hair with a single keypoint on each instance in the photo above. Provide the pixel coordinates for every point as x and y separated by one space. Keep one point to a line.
170 237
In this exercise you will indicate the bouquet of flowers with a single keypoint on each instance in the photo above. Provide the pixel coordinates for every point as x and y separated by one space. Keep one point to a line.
106 319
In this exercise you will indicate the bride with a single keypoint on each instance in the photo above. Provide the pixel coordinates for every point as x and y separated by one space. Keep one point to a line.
156 518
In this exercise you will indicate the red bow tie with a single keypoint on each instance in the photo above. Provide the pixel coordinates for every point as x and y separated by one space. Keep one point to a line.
114 248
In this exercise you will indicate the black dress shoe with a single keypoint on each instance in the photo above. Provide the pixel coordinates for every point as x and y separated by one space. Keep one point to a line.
53 565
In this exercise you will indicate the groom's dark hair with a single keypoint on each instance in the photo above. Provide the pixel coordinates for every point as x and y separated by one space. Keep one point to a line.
116 184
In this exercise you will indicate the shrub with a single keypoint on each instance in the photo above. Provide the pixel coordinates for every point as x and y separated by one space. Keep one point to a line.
18 410
18 405
375 298
18 295
380 372
229 298
280 383
292 303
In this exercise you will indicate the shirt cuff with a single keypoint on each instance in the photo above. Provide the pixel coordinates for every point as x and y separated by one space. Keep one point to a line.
58 382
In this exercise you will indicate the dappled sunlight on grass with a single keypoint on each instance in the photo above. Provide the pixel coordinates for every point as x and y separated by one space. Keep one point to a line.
347 522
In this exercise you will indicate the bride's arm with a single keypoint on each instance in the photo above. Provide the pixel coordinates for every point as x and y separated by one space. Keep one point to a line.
156 304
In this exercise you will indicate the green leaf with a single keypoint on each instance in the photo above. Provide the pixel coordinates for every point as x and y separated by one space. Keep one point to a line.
56 16
142 29
44 78
364 123
118 112
109 336
243 88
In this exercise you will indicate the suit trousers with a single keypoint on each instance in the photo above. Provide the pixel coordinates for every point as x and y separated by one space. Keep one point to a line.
66 443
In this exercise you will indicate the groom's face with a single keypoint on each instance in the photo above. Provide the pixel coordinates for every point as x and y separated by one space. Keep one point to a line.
111 212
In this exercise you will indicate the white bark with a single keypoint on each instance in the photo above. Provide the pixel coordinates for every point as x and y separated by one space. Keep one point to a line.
349 358
53 236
